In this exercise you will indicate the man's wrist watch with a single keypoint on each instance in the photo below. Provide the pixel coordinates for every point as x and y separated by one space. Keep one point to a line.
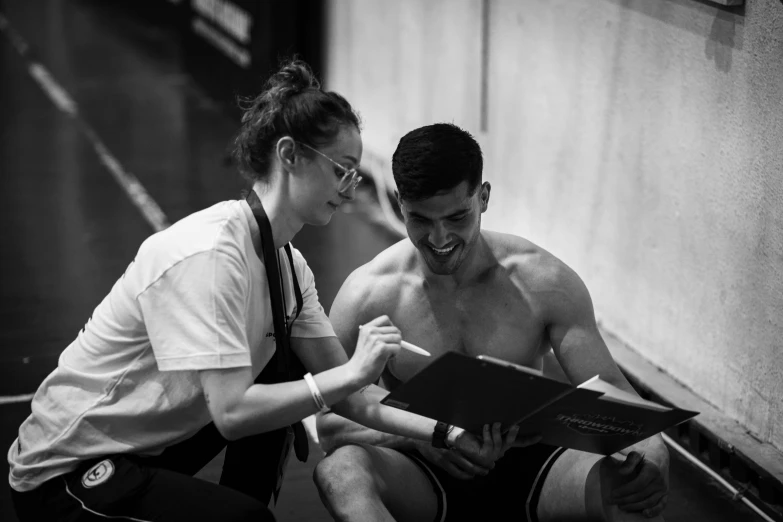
439 435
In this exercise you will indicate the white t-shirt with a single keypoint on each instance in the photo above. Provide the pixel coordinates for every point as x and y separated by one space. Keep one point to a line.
196 297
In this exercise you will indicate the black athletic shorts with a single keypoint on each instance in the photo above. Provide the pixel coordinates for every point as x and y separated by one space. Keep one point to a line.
513 486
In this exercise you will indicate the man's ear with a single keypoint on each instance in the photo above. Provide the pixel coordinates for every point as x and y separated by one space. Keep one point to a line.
486 188
285 150
397 197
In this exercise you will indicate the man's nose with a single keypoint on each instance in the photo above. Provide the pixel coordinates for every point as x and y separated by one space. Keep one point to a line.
439 235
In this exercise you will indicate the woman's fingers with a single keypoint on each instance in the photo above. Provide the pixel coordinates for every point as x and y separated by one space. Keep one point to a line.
383 330
381 320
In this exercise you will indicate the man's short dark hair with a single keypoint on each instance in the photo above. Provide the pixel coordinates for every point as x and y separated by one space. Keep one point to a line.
434 158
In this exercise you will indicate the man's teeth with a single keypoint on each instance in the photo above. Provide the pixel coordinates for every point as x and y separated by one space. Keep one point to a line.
443 251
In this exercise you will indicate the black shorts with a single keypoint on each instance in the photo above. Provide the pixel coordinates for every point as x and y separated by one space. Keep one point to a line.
513 486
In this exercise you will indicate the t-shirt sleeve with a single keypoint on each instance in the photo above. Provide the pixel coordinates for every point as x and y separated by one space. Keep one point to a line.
195 314
312 322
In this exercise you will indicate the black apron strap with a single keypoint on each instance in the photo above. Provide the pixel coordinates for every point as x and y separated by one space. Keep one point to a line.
269 450
297 291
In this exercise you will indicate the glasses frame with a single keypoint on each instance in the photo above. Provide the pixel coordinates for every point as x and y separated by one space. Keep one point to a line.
350 179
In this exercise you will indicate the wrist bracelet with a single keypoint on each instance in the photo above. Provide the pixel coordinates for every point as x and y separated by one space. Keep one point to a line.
316 393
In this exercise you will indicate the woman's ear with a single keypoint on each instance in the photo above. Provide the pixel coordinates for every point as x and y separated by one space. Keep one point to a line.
285 150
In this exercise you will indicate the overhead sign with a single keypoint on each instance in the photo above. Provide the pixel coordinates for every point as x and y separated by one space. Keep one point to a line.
226 26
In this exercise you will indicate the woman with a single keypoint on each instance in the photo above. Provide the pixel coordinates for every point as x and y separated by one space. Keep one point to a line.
168 370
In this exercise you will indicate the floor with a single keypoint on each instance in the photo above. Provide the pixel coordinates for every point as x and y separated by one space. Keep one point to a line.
71 228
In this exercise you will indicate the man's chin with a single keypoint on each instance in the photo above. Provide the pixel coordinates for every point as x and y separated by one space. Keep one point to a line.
442 268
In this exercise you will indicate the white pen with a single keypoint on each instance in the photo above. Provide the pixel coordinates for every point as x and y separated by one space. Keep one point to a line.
411 347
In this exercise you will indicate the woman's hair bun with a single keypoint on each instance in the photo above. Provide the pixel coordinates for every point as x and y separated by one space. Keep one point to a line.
291 104
293 77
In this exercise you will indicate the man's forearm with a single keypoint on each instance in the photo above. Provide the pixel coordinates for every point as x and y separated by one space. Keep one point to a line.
652 448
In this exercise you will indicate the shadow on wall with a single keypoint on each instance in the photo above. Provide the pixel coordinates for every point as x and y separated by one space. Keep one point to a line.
722 39
724 35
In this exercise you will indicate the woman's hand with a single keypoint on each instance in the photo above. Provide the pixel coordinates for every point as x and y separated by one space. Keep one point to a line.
378 340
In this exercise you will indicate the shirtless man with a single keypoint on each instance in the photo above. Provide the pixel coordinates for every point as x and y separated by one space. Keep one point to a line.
453 286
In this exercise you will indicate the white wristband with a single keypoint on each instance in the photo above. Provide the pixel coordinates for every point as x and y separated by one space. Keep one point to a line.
316 393
451 436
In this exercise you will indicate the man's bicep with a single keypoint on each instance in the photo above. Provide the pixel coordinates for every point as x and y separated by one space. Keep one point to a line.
574 335
348 312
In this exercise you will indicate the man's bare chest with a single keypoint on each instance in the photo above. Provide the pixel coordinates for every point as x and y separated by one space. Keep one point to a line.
495 322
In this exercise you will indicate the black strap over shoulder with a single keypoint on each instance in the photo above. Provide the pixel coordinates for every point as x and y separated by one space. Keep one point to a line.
297 291
288 365
254 465
272 451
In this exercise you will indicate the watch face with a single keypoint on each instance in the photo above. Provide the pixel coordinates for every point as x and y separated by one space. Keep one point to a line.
439 435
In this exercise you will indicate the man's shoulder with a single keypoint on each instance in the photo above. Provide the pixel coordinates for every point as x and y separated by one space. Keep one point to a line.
382 277
527 262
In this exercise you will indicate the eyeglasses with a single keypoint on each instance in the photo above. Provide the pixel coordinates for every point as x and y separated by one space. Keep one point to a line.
350 178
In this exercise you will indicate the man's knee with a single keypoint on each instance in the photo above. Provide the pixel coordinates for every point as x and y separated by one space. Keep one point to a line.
345 471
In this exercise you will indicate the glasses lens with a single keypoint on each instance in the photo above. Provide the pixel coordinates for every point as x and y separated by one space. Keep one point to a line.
349 181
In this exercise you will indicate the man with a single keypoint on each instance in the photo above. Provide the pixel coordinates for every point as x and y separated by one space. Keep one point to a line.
453 286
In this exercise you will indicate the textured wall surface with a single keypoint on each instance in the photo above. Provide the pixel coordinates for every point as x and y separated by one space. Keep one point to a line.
641 141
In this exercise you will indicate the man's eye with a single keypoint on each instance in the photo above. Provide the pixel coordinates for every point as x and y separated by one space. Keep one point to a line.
459 218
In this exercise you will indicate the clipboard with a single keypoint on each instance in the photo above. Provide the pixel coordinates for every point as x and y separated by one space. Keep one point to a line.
472 391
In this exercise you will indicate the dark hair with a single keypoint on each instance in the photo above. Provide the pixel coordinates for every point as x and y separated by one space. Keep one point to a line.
435 158
291 104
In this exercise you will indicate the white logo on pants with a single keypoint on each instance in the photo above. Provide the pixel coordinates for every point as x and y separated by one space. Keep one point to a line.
98 474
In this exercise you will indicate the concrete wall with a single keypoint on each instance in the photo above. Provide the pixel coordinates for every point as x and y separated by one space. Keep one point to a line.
641 141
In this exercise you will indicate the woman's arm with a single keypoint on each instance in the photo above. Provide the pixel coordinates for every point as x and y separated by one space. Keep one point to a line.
240 408
318 355
334 430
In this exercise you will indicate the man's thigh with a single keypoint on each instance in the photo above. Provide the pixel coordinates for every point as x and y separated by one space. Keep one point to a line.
577 487
572 488
404 488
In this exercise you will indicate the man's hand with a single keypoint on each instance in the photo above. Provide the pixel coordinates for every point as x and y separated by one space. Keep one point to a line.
452 461
481 454
645 488
471 456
